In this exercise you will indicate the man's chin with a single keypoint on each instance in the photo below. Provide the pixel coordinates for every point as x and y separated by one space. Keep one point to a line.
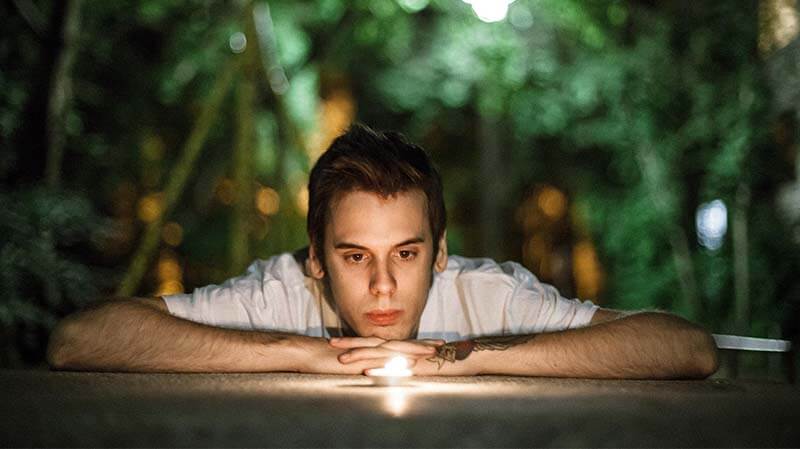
388 332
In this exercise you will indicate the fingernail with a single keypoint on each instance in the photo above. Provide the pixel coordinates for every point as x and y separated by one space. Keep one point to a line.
333 340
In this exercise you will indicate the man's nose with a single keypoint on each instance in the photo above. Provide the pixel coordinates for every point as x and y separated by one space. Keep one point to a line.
382 282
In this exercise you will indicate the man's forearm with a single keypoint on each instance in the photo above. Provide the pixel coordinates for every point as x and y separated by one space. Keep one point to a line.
129 335
640 346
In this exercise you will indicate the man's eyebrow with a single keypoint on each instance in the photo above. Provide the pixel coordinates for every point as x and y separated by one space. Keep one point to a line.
349 245
411 241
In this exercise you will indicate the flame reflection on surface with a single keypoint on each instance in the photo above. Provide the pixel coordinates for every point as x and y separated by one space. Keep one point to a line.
396 401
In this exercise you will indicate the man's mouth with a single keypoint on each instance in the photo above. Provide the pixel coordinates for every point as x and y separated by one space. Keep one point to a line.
383 317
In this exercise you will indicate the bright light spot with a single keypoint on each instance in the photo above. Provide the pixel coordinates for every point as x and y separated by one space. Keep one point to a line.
779 23
392 372
168 269
169 273
396 401
712 224
268 201
237 42
169 288
396 365
149 208
552 202
490 10
413 6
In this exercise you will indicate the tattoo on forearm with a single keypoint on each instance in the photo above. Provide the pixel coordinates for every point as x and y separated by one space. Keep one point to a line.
460 350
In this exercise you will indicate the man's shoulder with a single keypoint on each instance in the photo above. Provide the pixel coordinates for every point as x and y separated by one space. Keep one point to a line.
284 267
485 277
467 267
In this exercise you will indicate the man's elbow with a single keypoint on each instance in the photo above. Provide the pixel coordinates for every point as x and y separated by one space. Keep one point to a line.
704 360
62 345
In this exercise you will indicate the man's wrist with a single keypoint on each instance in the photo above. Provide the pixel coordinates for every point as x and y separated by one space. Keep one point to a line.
475 355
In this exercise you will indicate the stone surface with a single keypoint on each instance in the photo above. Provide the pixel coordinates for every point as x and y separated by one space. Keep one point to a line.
41 408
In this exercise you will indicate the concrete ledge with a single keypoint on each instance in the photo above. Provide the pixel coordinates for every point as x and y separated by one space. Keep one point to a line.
42 408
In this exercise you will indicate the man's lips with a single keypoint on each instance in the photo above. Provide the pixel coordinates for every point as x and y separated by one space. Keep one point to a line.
383 317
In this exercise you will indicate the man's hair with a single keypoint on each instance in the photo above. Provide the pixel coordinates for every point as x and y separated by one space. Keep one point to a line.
384 163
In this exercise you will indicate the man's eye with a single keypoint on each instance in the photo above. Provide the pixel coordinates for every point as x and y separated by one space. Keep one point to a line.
406 254
355 257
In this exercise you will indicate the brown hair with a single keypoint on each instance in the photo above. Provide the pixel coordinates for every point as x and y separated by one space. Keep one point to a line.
384 163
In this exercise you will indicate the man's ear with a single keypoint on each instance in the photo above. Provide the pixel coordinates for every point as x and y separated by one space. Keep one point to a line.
314 264
441 256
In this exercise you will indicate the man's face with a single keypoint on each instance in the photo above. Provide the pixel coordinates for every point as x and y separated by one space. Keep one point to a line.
378 259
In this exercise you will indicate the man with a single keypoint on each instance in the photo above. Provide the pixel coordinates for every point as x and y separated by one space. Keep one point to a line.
376 282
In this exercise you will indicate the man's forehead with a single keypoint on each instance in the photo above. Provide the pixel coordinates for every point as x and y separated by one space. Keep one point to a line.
364 218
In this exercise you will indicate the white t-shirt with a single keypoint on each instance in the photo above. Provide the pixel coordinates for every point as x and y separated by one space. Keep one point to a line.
471 298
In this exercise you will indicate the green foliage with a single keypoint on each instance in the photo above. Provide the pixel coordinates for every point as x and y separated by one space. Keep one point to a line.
639 111
40 276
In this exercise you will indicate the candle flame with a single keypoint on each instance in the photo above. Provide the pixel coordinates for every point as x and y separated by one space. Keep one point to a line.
396 364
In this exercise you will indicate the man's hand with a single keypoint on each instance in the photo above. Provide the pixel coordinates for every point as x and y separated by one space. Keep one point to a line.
374 352
423 356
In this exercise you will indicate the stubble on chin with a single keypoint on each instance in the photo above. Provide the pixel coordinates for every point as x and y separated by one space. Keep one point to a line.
394 333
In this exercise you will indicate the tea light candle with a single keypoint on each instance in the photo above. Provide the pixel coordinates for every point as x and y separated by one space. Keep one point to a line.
395 372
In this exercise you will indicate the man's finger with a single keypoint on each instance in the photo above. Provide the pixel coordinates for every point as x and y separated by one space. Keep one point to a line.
409 347
359 354
355 342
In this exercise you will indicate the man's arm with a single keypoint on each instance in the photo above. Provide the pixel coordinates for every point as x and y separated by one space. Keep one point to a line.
646 345
137 334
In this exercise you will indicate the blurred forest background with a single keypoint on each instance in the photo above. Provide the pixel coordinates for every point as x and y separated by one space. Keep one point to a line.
637 153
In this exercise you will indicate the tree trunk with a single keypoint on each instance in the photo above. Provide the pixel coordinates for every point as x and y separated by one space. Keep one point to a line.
271 70
653 170
61 93
491 179
741 271
177 179
243 159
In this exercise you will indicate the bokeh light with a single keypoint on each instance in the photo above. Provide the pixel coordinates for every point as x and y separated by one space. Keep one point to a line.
172 234
490 10
237 42
552 202
413 6
712 224
169 274
587 270
268 202
779 24
150 207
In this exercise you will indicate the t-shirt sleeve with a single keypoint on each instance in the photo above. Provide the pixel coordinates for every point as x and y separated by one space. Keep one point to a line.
238 303
535 307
